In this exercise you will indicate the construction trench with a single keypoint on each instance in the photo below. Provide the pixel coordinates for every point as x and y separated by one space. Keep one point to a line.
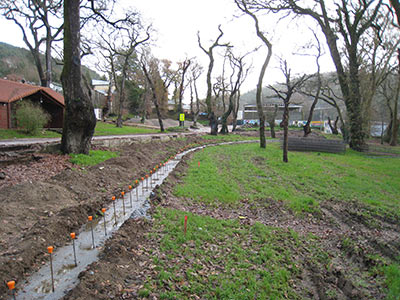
53 280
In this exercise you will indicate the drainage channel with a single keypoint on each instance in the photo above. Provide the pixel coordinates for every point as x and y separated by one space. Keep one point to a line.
134 204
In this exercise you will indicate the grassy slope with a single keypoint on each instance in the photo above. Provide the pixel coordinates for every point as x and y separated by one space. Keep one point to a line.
223 259
228 174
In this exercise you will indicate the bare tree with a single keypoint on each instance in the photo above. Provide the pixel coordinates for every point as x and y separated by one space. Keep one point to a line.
377 57
290 87
271 117
196 71
238 75
349 19
151 72
236 100
317 46
36 20
243 6
211 114
183 67
121 44
389 90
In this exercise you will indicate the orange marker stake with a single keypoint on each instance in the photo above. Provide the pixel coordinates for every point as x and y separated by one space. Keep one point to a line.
151 180
123 201
90 218
142 185
50 250
147 182
137 189
198 164
11 286
155 174
72 234
103 210
184 229
130 195
115 214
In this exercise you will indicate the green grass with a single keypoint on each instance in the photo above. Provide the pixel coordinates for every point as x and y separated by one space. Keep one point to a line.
6 134
228 138
228 174
392 274
101 129
177 129
110 129
95 157
221 259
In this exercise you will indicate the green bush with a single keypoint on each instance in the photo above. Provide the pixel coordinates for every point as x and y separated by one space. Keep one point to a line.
31 117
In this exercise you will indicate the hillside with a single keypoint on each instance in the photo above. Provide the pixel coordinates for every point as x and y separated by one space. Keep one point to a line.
19 62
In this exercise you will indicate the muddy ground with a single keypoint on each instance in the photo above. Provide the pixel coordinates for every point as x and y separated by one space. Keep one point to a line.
38 212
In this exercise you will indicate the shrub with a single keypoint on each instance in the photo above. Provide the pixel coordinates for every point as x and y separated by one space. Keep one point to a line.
31 117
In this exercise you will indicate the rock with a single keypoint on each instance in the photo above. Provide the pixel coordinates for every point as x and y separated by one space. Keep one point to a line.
2 175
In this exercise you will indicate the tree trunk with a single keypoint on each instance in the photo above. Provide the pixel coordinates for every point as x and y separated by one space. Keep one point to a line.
272 130
235 111
224 129
48 59
79 117
333 127
285 123
39 68
154 94
395 126
160 121
271 121
211 115
307 127
121 101
196 114
350 87
213 124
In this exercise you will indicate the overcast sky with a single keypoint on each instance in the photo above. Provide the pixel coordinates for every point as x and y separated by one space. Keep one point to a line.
178 21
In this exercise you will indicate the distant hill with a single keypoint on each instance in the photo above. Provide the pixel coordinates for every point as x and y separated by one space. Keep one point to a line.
18 62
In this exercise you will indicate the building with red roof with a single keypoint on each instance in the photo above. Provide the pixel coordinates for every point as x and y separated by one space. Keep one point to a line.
11 93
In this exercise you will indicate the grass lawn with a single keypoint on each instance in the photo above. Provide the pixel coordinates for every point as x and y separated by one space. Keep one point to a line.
110 129
229 138
225 259
221 259
6 134
95 157
228 174
101 129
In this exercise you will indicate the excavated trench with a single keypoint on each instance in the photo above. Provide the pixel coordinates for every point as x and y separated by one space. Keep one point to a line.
134 204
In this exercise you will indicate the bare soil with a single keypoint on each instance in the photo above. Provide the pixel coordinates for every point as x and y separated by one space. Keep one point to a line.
41 208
